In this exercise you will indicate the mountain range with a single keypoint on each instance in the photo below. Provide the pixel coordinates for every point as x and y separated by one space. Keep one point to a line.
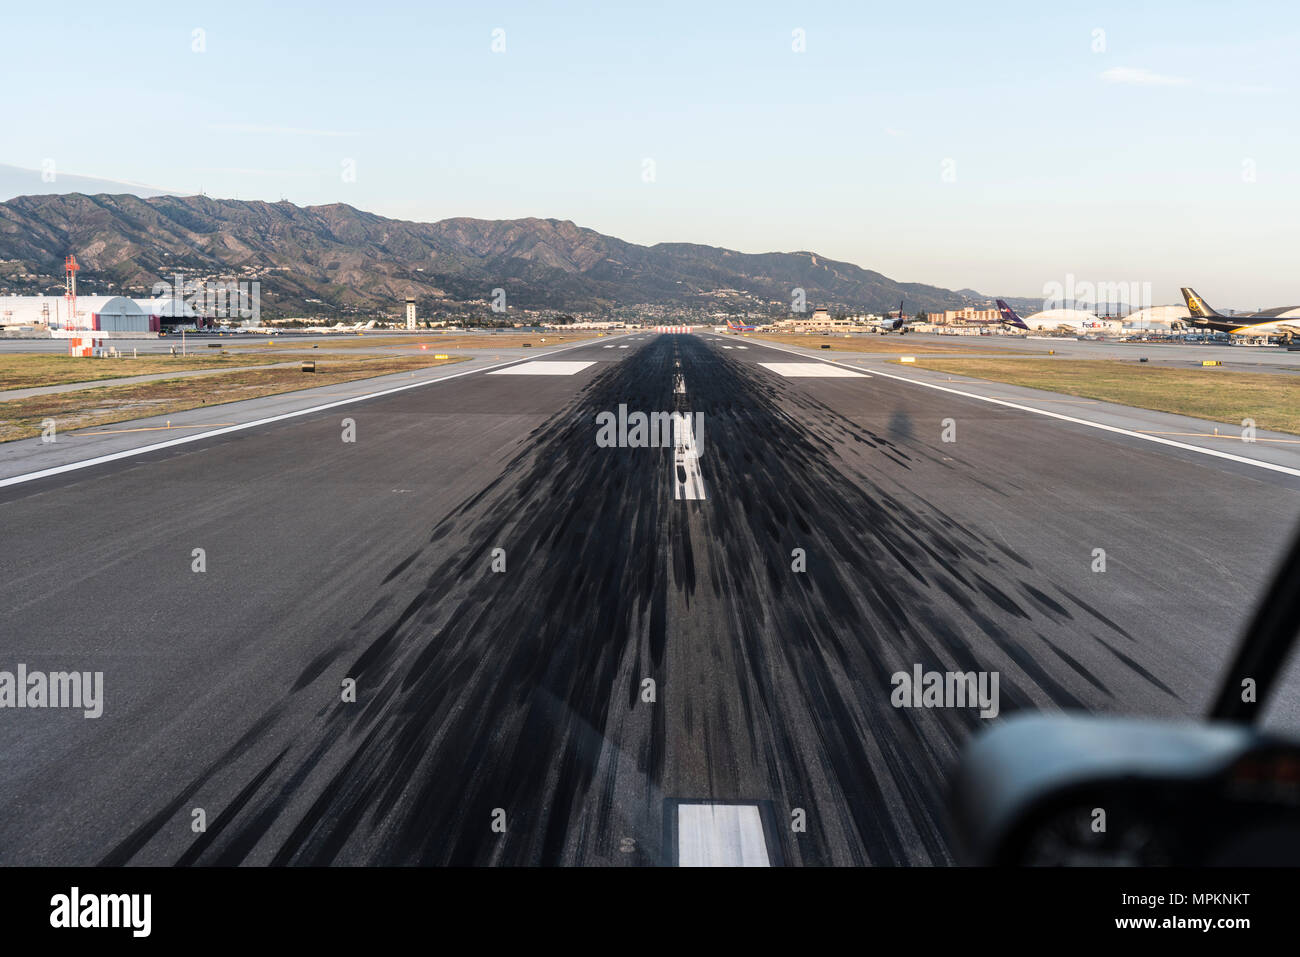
337 259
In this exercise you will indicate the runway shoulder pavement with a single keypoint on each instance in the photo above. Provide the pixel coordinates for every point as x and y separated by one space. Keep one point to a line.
1179 435
27 457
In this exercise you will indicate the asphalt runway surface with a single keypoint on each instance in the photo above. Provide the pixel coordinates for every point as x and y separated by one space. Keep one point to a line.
1243 357
501 717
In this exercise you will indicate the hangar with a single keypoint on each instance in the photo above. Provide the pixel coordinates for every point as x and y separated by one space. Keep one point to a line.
172 309
109 314
1076 319
1157 317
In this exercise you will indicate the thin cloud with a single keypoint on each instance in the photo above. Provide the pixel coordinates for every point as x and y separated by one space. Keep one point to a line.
246 171
277 130
66 174
1136 76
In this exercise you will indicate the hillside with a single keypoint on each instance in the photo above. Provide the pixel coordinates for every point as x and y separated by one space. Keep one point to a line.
323 258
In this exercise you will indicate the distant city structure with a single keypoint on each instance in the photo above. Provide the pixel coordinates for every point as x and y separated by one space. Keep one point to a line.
820 319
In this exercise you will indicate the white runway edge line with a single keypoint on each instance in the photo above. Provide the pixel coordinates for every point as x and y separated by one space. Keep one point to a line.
186 440
721 835
1215 453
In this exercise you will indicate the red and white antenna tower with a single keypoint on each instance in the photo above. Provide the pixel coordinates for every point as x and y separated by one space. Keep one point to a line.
70 268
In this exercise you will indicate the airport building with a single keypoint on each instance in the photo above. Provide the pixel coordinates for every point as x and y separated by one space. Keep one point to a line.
821 318
968 314
109 314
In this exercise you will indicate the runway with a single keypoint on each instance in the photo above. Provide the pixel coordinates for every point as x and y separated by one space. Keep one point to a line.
501 588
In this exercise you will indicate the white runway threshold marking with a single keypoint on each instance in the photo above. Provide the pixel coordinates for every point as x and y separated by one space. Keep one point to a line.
812 370
720 835
544 368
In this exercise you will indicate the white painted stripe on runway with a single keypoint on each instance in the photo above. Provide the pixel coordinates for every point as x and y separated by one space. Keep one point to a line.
742 347
721 835
688 483
622 347
187 439
812 370
544 368
1213 453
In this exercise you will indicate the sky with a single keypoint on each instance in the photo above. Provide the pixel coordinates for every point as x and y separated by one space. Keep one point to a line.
1004 147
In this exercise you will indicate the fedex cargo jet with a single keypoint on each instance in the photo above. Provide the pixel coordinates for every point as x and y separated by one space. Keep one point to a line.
1009 316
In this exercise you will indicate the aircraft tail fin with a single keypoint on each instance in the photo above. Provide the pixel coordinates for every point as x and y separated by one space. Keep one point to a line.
1198 307
1009 315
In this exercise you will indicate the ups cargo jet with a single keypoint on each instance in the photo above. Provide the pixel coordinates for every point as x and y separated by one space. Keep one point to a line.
1284 321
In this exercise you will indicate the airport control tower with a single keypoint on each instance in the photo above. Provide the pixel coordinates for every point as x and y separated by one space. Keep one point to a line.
410 313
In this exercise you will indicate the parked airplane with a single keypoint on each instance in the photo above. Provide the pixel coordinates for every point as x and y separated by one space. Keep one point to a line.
1283 321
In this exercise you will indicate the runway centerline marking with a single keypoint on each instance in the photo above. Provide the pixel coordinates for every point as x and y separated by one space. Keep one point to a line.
688 483
721 835
1213 453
